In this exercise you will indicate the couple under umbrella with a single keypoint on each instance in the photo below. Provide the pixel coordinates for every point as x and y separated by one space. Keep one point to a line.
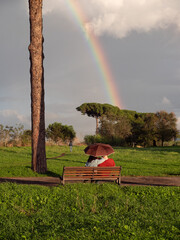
99 155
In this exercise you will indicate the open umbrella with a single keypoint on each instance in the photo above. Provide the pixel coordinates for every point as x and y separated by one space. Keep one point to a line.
99 149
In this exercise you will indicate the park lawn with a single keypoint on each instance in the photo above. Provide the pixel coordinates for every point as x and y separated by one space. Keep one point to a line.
160 161
90 211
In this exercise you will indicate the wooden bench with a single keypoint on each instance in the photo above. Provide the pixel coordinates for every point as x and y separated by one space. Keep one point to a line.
92 174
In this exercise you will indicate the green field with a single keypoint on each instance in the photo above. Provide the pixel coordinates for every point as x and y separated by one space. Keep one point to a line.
90 211
16 161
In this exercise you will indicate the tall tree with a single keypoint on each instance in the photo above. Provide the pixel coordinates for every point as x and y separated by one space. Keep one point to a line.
118 127
149 130
92 110
166 125
37 87
143 129
98 110
56 131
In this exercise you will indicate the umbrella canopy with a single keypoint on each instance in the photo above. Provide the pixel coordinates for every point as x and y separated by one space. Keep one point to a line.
99 149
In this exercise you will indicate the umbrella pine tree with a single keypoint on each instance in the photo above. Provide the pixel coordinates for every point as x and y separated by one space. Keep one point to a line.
37 87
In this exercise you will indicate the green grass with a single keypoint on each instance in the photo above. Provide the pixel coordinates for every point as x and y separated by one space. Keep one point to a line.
16 161
90 211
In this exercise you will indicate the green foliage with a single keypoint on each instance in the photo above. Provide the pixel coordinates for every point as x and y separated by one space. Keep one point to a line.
98 111
126 127
91 109
166 126
113 141
128 112
91 139
57 131
119 128
88 211
143 129
104 110
54 131
150 128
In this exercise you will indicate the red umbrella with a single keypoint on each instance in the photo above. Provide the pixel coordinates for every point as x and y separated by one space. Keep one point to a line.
99 149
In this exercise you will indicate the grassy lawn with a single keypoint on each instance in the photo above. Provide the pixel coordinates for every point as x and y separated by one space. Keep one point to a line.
90 211
16 161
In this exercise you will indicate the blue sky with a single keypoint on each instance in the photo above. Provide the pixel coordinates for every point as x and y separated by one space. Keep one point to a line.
140 38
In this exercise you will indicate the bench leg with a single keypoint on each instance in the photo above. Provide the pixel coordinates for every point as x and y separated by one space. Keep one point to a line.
118 181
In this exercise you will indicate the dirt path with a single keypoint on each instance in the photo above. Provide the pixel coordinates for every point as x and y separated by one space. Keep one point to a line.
150 181
125 181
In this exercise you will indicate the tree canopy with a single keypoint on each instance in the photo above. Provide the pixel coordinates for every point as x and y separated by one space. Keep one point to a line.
56 131
98 110
130 126
166 126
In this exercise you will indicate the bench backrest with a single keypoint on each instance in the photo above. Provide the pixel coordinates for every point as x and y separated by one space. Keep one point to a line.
91 173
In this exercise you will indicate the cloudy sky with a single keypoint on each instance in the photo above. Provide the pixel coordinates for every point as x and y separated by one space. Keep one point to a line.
141 42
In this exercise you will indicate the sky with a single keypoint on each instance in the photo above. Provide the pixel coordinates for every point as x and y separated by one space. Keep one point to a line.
138 39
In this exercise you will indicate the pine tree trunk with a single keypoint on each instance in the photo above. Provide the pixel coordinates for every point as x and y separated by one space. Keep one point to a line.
37 87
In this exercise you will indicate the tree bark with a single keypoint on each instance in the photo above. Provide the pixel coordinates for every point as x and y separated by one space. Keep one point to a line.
38 163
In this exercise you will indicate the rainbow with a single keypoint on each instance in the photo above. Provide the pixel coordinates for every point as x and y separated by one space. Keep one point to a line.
97 53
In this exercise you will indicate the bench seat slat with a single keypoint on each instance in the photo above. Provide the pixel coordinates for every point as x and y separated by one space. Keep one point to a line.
91 174
95 175
90 178
90 168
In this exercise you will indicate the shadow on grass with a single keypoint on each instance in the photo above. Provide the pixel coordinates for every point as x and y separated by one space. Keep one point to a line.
48 173
32 181
173 174
52 174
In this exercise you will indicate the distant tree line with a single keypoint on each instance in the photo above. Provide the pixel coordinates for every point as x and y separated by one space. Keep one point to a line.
113 126
18 136
14 136
129 128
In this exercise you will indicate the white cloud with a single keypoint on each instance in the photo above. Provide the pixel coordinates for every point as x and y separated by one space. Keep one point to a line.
166 101
11 117
119 17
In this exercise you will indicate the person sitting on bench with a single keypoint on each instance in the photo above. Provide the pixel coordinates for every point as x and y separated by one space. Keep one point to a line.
109 162
94 161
